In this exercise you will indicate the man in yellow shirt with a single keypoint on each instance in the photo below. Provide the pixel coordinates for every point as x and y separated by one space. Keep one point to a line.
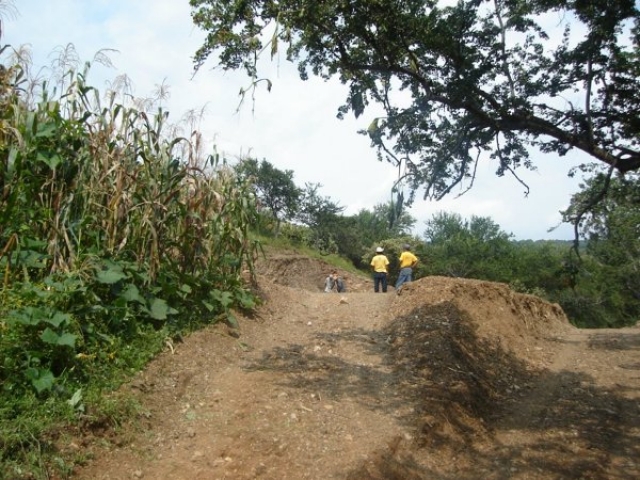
380 263
407 261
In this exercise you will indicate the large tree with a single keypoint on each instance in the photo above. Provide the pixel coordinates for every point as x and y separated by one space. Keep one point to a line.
276 191
322 216
456 79
612 230
385 221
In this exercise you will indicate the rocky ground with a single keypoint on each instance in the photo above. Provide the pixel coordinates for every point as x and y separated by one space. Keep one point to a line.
452 379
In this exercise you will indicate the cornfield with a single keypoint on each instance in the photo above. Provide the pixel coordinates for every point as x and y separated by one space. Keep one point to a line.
112 225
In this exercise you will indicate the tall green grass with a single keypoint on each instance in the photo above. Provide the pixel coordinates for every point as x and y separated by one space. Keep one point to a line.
117 235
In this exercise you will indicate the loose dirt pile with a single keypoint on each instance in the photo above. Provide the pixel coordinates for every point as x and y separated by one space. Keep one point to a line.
452 379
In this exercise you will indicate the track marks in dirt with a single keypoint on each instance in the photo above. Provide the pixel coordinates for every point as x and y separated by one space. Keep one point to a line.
578 421
454 379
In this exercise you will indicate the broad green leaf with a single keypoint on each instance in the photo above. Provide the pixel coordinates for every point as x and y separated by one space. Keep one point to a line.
58 319
44 381
208 306
107 338
158 309
67 339
51 337
33 259
52 162
132 294
26 316
110 276
46 130
224 298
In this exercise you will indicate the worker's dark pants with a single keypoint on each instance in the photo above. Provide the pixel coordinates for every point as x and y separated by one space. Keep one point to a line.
380 278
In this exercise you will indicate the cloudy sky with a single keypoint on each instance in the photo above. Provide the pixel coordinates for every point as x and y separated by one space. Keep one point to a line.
294 126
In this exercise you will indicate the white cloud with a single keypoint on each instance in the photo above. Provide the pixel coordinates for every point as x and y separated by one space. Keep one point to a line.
294 126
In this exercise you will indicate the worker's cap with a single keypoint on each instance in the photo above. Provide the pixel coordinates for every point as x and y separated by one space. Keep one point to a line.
379 249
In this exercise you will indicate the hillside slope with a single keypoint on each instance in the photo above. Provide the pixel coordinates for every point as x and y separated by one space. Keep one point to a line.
453 379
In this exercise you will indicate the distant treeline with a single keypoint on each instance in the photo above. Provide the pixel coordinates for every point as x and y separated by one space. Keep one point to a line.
596 278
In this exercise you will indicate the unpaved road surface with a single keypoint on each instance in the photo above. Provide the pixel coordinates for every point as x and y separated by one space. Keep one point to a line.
453 379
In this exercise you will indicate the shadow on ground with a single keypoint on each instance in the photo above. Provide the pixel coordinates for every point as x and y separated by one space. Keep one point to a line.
471 401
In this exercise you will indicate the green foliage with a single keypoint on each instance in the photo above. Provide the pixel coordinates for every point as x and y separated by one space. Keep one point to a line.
368 227
319 222
479 76
470 249
544 268
321 215
386 220
116 236
607 212
316 209
275 189
593 289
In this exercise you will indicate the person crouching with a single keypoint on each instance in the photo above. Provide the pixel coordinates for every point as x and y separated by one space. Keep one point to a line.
334 281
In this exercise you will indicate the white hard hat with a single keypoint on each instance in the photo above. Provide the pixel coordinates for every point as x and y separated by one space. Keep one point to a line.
379 249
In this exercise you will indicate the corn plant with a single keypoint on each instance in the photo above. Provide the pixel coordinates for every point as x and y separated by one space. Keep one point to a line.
114 231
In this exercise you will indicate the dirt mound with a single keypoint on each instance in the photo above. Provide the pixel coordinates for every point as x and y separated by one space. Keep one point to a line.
452 378
497 313
464 349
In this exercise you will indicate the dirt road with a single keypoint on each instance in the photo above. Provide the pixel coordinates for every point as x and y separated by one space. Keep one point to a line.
454 379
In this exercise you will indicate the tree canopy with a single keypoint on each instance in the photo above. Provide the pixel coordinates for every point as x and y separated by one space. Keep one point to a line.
456 79
275 188
612 228
475 248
